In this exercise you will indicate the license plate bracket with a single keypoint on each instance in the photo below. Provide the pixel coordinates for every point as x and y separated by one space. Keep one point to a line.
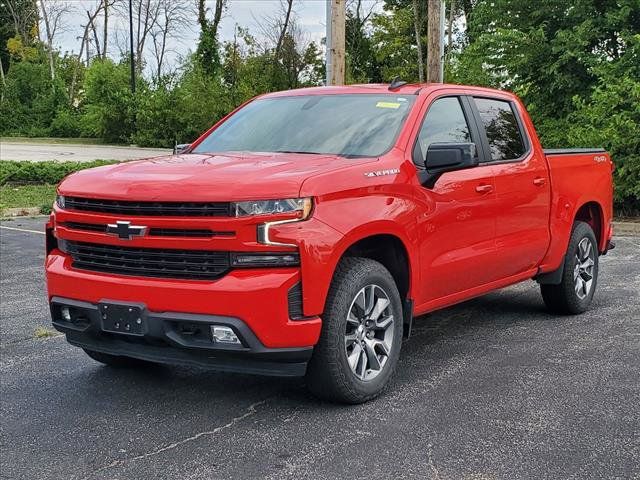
123 318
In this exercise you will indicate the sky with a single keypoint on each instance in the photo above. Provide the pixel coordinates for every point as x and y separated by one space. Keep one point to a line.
246 13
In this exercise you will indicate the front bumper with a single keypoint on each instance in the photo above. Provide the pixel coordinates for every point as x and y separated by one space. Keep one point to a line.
178 338
258 298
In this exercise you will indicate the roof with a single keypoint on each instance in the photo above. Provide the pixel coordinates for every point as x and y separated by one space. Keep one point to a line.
379 88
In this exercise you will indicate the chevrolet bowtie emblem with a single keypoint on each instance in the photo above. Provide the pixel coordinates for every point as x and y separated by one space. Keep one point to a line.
124 230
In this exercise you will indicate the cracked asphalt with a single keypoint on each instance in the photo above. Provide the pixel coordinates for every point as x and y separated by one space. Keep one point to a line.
494 388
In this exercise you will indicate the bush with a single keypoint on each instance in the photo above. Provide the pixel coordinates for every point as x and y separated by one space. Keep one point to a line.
65 124
30 100
108 102
42 172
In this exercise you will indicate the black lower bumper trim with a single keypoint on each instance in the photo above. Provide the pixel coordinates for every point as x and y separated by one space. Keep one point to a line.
178 339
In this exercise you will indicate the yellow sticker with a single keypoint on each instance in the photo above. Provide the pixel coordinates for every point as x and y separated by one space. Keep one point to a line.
387 105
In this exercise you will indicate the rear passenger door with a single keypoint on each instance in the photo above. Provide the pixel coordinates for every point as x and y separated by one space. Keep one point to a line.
522 186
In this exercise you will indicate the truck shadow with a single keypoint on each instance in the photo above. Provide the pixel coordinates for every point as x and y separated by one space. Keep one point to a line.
435 339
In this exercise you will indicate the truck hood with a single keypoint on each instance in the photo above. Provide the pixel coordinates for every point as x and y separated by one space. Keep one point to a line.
205 177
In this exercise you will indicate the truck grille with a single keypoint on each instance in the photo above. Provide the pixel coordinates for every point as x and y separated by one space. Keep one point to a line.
149 262
170 209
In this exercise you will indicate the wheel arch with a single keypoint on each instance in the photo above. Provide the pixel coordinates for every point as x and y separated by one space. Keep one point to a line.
592 213
392 251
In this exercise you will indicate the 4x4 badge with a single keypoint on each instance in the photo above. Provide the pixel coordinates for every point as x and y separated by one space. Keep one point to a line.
124 230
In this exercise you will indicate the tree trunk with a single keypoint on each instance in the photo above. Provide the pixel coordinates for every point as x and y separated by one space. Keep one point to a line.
417 26
105 31
95 37
434 37
45 17
337 42
284 30
74 77
4 83
450 31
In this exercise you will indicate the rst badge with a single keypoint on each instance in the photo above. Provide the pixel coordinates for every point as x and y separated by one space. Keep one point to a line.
380 173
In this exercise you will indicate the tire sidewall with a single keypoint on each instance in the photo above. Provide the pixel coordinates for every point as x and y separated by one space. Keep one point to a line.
376 275
581 231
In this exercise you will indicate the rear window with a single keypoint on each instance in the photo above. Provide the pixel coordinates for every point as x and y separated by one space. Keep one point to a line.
360 125
503 130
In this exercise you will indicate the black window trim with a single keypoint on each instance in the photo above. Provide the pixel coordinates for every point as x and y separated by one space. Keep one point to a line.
485 140
472 123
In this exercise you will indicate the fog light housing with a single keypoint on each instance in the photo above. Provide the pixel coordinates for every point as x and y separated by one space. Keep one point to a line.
222 334
265 260
66 314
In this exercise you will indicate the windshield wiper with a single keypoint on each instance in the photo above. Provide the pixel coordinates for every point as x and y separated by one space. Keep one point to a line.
295 151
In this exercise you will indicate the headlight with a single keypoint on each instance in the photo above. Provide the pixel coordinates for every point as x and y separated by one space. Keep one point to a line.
300 206
60 201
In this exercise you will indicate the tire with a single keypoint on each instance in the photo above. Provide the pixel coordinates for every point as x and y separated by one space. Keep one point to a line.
113 360
574 293
368 339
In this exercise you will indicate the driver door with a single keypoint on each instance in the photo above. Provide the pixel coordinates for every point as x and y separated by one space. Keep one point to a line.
457 225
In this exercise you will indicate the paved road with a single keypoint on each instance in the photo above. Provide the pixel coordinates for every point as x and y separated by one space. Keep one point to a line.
38 152
494 388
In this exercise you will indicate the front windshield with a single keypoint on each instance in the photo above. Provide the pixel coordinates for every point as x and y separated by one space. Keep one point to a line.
347 125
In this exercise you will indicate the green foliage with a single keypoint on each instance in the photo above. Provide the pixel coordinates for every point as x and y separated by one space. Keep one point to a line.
30 99
394 37
575 64
577 68
610 117
42 172
109 107
361 60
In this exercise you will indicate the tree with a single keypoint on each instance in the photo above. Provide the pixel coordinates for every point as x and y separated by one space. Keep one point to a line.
362 64
172 17
52 14
208 48
395 40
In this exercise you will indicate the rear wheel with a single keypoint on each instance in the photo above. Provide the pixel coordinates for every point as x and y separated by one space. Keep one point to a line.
361 334
113 360
574 293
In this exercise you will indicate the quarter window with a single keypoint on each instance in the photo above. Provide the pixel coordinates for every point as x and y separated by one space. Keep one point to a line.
503 131
445 123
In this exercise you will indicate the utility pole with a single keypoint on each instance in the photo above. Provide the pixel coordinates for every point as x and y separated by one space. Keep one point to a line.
133 65
335 43
434 41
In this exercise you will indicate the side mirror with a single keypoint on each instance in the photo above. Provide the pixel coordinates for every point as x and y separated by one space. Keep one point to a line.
181 148
447 157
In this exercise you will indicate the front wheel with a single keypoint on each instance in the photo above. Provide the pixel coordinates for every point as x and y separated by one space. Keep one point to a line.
574 293
361 334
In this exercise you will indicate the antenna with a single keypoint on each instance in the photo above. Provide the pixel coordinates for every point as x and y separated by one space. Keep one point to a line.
396 83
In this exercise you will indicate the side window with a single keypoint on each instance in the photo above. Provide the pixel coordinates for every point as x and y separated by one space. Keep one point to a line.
445 123
503 131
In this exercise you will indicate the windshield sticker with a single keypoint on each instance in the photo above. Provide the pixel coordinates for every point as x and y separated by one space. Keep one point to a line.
393 105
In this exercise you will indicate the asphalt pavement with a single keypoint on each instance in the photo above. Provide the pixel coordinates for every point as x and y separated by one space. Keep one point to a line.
494 388
39 152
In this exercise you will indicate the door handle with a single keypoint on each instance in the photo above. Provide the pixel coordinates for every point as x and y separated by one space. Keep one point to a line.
539 181
484 188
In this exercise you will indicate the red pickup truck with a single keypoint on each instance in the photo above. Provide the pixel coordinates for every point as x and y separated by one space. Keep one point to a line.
302 233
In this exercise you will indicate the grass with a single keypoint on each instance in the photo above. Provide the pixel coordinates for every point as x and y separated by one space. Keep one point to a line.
56 141
44 332
26 196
